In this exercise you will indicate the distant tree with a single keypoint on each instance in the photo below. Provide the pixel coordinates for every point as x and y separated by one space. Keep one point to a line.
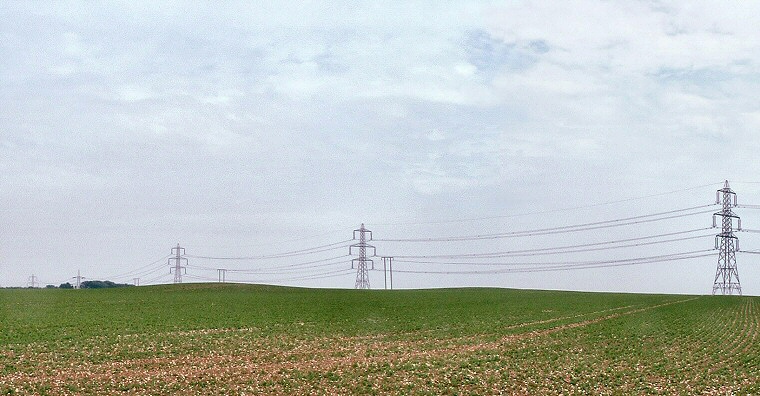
97 284
66 285
50 287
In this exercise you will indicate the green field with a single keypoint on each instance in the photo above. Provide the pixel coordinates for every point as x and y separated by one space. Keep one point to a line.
240 339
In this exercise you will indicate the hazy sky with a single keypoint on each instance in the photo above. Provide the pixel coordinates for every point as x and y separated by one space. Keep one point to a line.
241 129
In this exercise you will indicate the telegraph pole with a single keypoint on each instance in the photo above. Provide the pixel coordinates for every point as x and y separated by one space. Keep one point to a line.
727 275
222 274
385 274
178 267
388 263
362 274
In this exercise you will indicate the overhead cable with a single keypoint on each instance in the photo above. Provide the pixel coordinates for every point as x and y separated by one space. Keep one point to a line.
545 263
274 271
140 270
301 252
563 229
544 267
567 248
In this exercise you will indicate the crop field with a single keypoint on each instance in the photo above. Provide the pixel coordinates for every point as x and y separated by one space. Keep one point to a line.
242 339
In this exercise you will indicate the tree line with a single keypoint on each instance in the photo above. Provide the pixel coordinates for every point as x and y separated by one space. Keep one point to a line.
93 284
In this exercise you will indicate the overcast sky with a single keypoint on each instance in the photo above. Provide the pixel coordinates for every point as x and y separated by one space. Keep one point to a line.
240 129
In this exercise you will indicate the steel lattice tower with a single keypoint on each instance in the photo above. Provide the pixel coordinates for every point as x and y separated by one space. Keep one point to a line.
727 276
362 272
178 267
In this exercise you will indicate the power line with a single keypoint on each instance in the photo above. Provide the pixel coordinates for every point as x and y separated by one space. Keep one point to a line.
198 277
137 270
563 229
284 267
323 275
301 252
530 255
143 271
342 230
154 279
562 266
264 271
322 268
568 248
153 271
329 274
547 263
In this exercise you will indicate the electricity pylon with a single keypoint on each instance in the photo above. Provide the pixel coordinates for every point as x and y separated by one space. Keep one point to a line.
78 278
727 276
362 274
178 267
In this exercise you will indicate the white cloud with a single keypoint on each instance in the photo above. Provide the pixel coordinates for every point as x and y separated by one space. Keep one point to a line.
634 36
435 135
131 93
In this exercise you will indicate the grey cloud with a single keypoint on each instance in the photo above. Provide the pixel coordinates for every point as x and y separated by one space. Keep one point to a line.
134 126
492 55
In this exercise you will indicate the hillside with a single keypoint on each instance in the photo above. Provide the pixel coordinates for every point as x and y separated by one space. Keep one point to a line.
220 339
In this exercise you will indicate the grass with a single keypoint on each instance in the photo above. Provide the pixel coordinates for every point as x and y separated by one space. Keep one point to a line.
242 339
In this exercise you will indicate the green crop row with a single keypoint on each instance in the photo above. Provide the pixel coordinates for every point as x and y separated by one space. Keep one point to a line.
236 339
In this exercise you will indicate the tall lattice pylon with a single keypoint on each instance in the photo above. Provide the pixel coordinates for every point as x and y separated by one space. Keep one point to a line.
362 272
727 276
178 267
